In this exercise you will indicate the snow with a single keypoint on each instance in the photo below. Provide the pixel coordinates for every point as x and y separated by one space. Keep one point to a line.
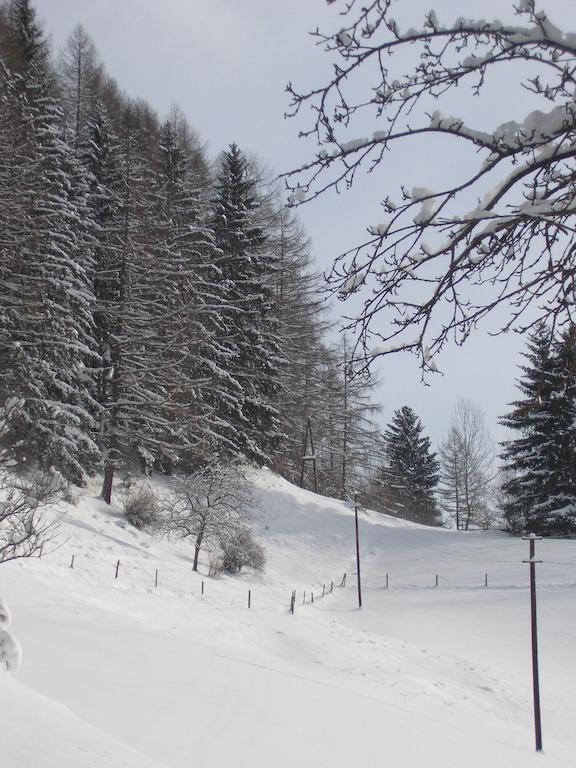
10 652
353 282
120 673
4 615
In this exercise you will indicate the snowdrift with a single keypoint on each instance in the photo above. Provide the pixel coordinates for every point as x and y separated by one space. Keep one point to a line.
184 673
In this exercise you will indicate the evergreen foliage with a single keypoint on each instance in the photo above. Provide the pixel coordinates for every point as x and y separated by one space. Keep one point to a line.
155 309
411 474
246 268
541 461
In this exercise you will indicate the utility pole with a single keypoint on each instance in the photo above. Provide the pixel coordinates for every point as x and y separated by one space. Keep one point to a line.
532 538
308 455
356 506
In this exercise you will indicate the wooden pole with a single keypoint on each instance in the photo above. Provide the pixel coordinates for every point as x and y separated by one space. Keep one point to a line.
534 622
117 569
72 562
436 581
156 579
485 579
249 598
202 589
359 580
386 581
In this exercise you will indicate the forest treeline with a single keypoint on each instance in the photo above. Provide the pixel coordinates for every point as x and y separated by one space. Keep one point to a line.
158 307
160 310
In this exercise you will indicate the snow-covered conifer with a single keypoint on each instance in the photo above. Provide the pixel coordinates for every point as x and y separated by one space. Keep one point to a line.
541 490
246 268
411 471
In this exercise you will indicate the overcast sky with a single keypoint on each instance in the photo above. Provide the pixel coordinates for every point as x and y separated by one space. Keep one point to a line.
226 64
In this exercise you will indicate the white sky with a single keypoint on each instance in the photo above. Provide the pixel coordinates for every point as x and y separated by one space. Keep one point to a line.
226 64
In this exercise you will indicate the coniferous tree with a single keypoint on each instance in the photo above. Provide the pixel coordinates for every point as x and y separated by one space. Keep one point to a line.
541 492
248 311
302 325
80 75
411 472
47 340
466 457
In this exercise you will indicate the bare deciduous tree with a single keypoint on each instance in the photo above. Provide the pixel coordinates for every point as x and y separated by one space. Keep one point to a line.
498 231
25 528
466 458
207 505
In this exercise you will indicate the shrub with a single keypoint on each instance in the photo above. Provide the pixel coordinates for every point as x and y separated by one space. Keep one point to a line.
142 508
241 550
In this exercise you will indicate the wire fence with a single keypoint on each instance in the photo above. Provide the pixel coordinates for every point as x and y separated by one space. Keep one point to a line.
146 573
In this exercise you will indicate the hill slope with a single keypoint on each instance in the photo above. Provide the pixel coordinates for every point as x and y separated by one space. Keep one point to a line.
440 676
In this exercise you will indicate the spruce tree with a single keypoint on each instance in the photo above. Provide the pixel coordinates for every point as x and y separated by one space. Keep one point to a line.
411 472
47 339
541 492
246 279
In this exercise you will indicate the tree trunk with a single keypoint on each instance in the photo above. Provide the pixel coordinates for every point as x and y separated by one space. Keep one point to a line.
106 493
197 550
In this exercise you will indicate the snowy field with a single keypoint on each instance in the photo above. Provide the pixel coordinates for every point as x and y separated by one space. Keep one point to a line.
119 672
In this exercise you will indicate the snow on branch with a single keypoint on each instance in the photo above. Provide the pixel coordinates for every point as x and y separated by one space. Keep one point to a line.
435 267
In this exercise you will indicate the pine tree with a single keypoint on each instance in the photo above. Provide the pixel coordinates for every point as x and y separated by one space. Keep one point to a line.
411 473
541 492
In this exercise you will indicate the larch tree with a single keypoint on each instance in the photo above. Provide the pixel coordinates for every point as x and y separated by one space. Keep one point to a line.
466 461
497 232
80 74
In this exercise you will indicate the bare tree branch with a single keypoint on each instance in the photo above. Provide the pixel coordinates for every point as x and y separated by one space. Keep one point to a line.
436 267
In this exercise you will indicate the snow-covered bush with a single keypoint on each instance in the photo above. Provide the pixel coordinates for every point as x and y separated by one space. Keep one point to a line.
10 651
241 550
4 615
142 508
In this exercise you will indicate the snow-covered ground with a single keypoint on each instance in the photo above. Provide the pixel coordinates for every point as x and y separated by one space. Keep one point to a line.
118 672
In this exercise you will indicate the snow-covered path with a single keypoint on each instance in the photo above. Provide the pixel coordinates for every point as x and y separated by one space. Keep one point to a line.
420 674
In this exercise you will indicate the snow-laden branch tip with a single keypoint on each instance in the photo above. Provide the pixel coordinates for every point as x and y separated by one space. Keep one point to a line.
514 248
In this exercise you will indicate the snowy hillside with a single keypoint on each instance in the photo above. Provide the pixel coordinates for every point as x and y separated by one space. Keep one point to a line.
119 672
